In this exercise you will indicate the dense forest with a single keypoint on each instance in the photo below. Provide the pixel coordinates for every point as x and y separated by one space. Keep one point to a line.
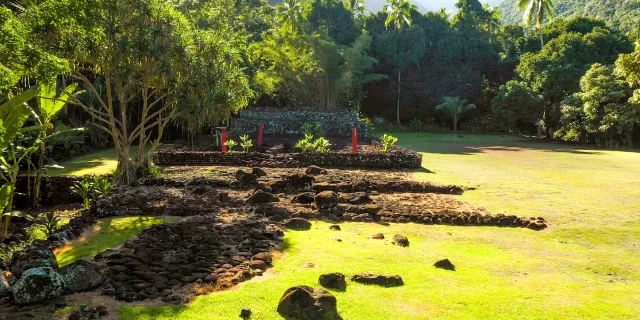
622 14
189 64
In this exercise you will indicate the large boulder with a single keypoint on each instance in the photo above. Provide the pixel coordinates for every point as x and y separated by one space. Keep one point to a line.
377 279
306 303
246 178
444 264
33 258
326 200
81 276
260 196
304 198
37 285
333 281
4 285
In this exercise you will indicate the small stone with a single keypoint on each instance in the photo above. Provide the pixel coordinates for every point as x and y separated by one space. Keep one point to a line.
315 170
257 264
303 302
445 264
260 196
381 280
401 240
259 172
378 236
264 256
326 200
245 313
335 227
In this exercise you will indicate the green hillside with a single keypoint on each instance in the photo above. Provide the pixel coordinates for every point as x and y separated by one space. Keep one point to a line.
623 14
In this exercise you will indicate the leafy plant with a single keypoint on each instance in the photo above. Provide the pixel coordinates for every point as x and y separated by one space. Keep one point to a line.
455 108
322 145
84 188
230 144
305 143
245 143
51 223
314 129
416 125
387 142
102 186
154 170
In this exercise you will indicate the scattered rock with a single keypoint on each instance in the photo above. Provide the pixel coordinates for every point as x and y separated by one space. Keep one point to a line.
315 170
401 240
371 209
306 303
4 285
89 313
445 264
333 281
264 256
257 264
304 198
37 285
245 313
202 190
335 227
260 197
33 258
81 276
299 182
246 178
378 236
298 223
381 280
326 200
258 172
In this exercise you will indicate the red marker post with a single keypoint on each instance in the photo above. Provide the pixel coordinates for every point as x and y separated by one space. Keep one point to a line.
260 131
224 139
354 140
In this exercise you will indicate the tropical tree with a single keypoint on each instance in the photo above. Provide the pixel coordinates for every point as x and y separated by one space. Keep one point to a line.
292 13
399 14
13 114
454 107
50 103
356 7
536 9
492 24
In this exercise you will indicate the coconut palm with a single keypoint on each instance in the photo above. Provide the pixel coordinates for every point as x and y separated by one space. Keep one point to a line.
356 7
399 14
536 9
292 13
493 20
455 107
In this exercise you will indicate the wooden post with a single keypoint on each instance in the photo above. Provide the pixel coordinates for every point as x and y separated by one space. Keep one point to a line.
224 139
354 140
260 131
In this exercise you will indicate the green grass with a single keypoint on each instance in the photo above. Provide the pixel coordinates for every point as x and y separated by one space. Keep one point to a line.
107 233
98 163
586 265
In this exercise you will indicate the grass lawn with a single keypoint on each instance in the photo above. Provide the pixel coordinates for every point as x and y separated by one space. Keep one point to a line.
107 233
586 265
97 163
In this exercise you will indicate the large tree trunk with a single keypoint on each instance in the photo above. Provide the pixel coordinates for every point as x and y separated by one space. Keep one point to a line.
398 104
455 124
541 39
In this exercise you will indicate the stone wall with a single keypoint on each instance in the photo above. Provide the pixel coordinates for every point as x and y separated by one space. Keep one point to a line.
290 121
55 190
397 159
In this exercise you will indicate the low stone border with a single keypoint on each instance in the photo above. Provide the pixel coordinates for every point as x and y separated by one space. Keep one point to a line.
396 159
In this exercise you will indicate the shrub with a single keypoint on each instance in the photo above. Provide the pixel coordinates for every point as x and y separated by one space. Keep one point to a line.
314 129
230 144
322 145
416 125
51 223
245 143
305 143
102 186
84 188
387 142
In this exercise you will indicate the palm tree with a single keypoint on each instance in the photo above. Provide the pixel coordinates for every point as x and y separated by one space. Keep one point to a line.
292 13
356 7
399 13
537 9
455 107
493 20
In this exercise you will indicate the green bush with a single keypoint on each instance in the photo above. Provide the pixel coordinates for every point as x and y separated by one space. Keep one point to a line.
322 145
230 144
314 129
305 143
245 143
84 188
416 125
387 142
51 223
